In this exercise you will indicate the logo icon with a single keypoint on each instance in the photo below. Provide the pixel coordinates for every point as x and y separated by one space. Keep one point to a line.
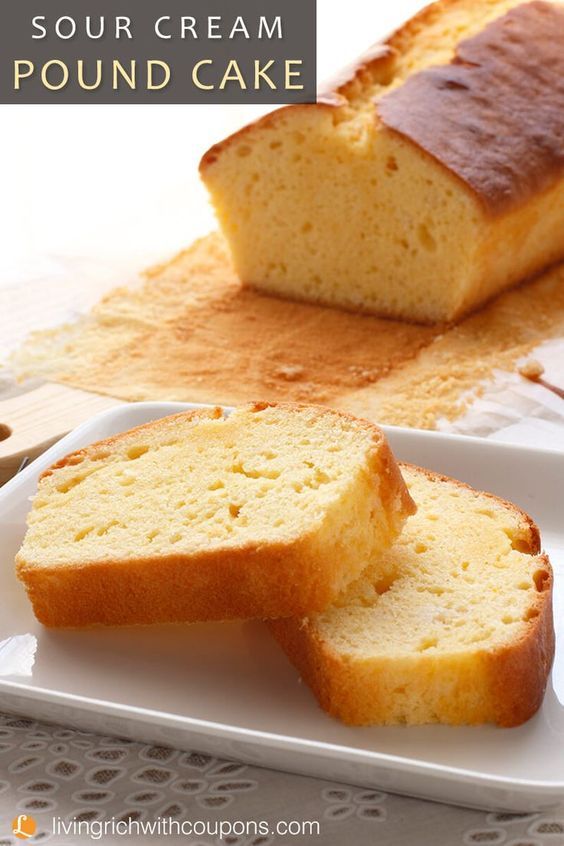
23 827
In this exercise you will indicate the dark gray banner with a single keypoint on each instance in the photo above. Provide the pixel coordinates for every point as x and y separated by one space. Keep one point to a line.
155 51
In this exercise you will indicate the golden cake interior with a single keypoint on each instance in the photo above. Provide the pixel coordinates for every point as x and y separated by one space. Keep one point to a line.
327 204
463 635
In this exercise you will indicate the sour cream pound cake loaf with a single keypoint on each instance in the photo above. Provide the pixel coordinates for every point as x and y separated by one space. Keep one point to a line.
271 511
463 635
426 179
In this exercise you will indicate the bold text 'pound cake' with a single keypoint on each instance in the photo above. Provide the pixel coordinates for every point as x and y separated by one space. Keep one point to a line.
463 635
426 179
270 511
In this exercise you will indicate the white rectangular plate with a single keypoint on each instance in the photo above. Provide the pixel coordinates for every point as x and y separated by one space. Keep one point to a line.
228 690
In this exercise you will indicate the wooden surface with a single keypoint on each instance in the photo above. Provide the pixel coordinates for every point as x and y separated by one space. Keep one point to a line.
32 421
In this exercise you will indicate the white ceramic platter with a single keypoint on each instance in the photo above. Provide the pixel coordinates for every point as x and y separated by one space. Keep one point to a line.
228 690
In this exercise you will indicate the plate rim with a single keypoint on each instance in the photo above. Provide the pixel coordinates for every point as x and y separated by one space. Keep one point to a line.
281 741
333 751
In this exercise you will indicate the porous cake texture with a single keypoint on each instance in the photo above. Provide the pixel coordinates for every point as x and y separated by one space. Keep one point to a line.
463 635
268 512
427 178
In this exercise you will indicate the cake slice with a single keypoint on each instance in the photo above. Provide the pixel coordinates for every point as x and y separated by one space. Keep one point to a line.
463 635
427 178
270 511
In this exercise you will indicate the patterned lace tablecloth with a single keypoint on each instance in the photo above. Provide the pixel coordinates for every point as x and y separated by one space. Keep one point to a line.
49 771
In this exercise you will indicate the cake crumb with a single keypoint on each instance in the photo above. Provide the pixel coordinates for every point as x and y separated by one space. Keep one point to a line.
168 340
289 372
531 369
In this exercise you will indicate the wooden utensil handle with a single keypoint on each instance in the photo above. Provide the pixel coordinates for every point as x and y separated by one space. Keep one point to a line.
32 421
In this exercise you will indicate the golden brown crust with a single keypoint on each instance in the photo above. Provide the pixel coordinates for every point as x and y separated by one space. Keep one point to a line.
510 681
288 578
376 63
246 582
518 673
494 116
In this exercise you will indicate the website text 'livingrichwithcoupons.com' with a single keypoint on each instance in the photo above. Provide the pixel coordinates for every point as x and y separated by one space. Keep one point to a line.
25 827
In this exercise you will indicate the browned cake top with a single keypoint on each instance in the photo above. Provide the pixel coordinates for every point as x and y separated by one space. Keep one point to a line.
495 115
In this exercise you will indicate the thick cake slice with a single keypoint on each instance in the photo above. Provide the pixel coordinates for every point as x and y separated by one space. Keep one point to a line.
463 635
426 179
271 511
